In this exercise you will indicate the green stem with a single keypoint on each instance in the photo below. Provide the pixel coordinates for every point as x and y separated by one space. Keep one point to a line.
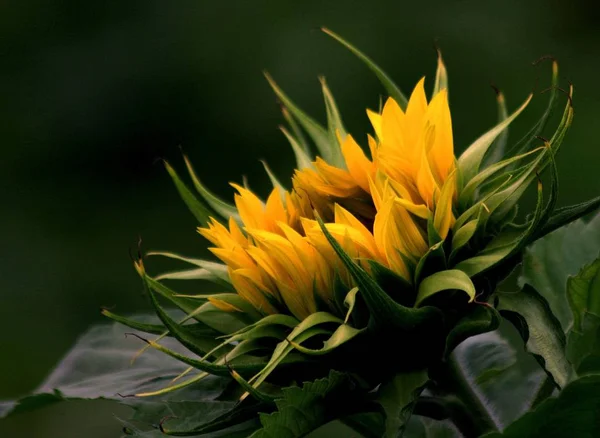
481 416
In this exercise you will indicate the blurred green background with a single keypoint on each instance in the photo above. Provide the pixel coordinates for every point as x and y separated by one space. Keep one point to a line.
93 93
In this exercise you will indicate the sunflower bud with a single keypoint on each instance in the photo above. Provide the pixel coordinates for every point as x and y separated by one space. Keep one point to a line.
397 246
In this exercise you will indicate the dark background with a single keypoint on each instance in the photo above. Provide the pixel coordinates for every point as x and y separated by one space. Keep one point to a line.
92 93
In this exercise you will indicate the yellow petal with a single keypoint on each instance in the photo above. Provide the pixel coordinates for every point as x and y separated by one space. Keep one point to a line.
443 217
441 153
250 207
248 291
358 165
375 119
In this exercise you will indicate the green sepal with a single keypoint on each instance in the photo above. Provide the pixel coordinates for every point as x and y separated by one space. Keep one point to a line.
223 208
388 319
566 215
462 237
328 150
284 348
182 333
255 393
451 279
274 180
397 287
153 329
187 305
199 210
478 319
524 144
218 270
498 148
434 260
199 329
334 119
385 80
303 160
441 76
384 311
298 135
470 160
344 333
243 306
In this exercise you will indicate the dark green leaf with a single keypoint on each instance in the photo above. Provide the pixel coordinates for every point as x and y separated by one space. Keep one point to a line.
397 397
302 410
502 380
574 413
550 261
583 342
540 330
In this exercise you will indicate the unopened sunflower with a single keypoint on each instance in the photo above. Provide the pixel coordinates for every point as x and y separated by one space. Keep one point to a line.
378 255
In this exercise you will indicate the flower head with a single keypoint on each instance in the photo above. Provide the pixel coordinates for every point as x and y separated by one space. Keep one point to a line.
384 244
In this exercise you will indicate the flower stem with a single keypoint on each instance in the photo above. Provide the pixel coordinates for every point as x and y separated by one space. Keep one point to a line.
482 419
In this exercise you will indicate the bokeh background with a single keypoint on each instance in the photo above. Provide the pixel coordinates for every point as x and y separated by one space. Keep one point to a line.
93 93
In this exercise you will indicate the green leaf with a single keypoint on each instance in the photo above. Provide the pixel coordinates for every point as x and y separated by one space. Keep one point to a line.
223 208
502 380
583 294
574 413
302 410
206 418
99 366
201 212
385 80
540 329
328 150
424 427
550 261
470 160
451 279
397 397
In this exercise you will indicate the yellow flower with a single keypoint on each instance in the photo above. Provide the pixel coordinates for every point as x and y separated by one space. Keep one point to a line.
271 266
377 210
